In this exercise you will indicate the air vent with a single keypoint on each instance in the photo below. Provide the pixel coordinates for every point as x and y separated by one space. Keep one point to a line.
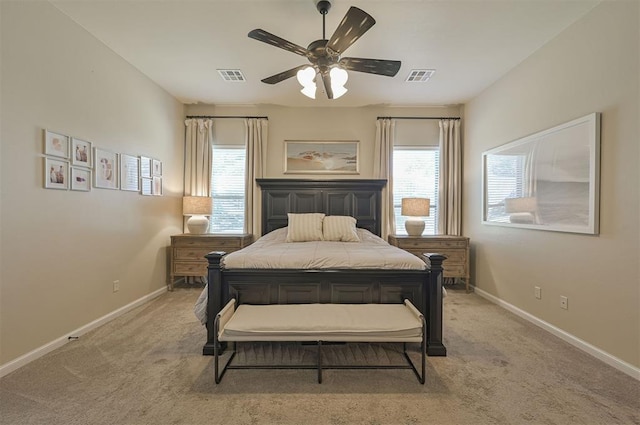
232 75
420 75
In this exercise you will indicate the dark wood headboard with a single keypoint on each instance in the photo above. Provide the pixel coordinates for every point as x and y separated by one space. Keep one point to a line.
357 198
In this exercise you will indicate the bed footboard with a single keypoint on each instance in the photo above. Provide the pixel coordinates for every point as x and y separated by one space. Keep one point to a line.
275 286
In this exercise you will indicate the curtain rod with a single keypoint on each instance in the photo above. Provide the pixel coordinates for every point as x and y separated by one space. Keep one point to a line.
221 116
418 118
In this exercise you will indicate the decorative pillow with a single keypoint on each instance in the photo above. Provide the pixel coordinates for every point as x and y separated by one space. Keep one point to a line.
340 228
304 227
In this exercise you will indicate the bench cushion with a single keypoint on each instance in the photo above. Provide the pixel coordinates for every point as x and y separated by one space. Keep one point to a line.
324 322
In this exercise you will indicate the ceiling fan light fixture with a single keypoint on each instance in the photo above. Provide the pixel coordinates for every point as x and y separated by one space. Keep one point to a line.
339 78
306 77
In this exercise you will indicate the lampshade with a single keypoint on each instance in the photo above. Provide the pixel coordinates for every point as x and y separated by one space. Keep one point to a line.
413 208
339 78
520 205
197 207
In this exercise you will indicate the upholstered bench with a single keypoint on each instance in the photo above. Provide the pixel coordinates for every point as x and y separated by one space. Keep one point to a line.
400 323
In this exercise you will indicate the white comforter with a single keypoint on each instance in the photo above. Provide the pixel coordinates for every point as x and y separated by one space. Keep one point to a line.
272 252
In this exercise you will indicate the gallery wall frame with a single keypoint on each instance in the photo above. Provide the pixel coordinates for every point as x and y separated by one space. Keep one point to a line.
129 172
106 169
56 174
145 167
549 180
81 153
321 157
80 179
146 186
56 144
156 189
156 167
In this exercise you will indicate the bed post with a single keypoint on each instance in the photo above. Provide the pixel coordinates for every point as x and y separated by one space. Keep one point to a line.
214 294
433 301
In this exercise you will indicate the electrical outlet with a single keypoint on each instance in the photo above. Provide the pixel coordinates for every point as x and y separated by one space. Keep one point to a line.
564 302
538 292
116 285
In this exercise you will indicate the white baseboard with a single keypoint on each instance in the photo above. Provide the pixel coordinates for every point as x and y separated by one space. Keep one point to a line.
617 363
7 368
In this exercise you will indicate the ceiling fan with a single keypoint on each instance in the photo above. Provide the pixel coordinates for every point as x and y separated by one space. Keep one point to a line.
325 55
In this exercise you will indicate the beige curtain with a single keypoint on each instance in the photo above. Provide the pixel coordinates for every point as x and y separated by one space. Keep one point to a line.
383 169
450 185
198 147
256 144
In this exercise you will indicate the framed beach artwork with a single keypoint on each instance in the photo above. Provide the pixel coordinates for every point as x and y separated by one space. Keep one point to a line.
80 179
129 173
56 144
321 157
56 174
80 153
106 169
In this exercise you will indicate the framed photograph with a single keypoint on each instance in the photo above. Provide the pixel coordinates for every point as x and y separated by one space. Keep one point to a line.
157 186
156 167
56 174
80 179
56 144
81 153
129 172
146 186
106 169
145 167
546 181
321 157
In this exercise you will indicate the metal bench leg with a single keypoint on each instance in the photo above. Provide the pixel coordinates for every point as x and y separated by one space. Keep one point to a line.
319 362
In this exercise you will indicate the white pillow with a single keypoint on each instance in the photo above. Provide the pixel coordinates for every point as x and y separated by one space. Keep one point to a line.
340 228
304 227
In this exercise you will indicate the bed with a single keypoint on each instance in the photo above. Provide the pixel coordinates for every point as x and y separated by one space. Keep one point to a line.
356 198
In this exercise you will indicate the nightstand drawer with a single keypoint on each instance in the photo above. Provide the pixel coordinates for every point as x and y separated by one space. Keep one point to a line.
431 244
190 268
191 253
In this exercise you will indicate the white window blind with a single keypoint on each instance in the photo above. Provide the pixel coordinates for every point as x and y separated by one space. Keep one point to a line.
227 189
505 179
415 174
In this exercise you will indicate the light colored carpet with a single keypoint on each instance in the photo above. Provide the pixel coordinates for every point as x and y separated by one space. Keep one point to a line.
146 367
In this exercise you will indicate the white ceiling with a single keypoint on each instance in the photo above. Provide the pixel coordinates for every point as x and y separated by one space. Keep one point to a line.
180 44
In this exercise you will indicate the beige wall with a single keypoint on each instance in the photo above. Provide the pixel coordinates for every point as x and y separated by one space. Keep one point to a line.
328 124
61 250
590 67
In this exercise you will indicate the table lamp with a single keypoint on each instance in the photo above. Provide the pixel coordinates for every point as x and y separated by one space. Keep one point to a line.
198 207
414 209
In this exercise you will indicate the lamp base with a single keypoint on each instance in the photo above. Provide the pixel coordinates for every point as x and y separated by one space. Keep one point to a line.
414 227
198 224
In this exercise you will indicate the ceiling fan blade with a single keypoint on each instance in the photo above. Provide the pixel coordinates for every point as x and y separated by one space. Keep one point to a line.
284 75
372 66
274 40
326 79
355 23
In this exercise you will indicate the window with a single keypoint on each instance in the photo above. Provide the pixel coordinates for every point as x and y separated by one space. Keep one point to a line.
227 189
416 174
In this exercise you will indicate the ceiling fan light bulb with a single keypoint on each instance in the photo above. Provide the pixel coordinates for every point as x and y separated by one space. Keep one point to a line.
306 76
338 76
309 90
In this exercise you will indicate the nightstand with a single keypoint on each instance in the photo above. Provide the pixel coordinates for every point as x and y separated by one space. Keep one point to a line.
456 248
188 251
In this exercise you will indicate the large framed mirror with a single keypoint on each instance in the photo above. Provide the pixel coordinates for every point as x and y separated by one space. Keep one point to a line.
547 181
